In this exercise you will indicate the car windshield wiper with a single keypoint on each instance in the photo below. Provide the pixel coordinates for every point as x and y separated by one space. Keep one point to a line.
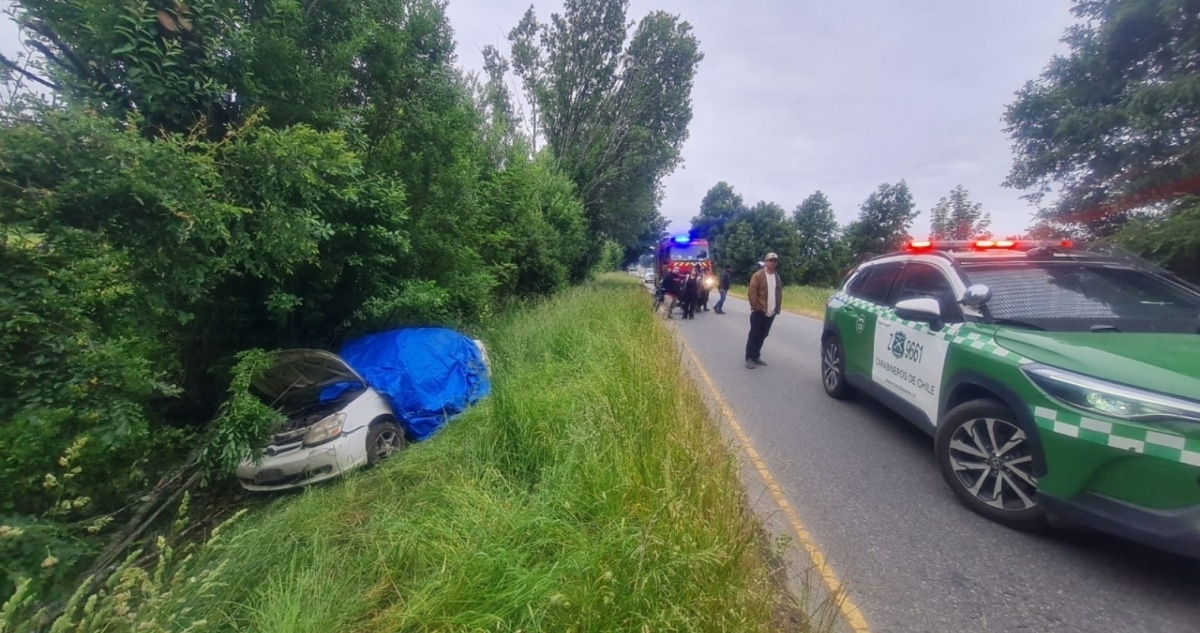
1105 328
1016 323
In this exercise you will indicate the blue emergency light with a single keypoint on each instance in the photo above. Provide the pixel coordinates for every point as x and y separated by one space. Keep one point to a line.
682 239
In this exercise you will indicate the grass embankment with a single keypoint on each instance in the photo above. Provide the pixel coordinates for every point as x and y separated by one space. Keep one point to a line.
591 492
806 300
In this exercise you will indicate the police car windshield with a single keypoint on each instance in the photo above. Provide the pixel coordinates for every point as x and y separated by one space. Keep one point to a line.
1085 296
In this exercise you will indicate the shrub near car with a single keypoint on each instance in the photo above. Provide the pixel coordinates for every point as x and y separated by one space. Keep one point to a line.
1056 381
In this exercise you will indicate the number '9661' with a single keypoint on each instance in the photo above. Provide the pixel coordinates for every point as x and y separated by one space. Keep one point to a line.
903 348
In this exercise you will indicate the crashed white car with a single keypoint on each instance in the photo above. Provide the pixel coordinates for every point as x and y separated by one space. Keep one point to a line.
321 439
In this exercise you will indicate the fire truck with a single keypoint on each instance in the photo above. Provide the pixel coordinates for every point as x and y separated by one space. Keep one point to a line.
681 254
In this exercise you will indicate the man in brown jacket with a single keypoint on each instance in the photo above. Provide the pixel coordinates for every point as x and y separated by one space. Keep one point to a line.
766 299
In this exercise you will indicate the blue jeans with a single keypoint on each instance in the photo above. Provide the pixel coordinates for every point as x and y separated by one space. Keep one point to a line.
721 301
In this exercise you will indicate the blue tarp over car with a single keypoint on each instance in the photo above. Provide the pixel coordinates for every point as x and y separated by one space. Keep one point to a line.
429 375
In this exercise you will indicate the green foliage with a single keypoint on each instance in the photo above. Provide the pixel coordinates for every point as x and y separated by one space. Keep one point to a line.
611 258
222 176
245 419
957 218
1172 240
590 492
614 113
1106 126
721 205
883 221
748 238
821 253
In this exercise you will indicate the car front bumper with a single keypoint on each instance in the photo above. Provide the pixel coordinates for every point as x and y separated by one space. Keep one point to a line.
304 466
1174 530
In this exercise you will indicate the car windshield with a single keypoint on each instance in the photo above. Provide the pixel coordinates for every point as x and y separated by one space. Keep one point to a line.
1085 296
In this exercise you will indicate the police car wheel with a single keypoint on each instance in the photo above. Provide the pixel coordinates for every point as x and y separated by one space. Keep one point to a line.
987 460
833 368
384 439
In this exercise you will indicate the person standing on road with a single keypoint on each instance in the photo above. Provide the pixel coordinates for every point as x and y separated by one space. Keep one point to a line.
671 285
766 296
723 288
691 294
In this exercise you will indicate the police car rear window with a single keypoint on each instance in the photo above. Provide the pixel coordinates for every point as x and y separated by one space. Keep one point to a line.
1081 291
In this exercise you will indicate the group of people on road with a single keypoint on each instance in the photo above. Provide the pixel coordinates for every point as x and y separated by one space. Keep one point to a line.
684 289
765 295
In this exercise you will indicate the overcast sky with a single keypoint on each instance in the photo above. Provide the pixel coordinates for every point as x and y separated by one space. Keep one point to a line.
837 95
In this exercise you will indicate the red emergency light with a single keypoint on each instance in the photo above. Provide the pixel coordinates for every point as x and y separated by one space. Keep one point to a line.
995 243
920 245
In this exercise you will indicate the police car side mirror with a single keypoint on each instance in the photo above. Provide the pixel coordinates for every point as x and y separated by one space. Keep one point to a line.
976 295
923 309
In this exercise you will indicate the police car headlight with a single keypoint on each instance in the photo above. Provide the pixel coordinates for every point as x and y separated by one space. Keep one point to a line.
1110 399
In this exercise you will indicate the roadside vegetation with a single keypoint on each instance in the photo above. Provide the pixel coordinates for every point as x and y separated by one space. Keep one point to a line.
184 182
590 492
807 300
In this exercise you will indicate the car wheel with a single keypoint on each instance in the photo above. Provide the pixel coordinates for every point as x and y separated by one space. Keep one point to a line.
833 368
987 460
384 439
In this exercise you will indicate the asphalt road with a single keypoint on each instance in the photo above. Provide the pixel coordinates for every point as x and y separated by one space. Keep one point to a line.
865 483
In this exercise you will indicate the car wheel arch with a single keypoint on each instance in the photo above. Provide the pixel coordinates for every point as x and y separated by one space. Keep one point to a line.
968 386
385 418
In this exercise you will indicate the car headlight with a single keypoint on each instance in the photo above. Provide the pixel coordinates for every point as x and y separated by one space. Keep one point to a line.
1111 399
327 429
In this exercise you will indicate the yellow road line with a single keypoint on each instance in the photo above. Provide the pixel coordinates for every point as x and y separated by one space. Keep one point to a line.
850 611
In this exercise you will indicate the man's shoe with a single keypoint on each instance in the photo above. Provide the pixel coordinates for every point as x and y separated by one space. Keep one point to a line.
750 364
759 361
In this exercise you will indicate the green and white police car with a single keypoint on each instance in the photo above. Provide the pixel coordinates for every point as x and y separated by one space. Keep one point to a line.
1057 382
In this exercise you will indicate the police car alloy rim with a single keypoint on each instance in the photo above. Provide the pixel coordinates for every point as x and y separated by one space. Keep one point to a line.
831 365
992 461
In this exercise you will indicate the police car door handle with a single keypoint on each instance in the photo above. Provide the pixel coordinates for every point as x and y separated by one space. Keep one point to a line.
884 322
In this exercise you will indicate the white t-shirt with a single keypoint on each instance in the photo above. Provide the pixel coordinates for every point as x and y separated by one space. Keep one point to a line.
771 307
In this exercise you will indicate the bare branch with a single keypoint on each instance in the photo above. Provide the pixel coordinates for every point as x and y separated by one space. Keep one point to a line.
25 73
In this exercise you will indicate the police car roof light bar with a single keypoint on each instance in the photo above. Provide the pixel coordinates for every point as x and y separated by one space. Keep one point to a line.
965 245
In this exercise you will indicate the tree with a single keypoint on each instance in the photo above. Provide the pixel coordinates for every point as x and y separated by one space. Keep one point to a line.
527 64
615 115
1112 126
720 206
957 218
748 238
883 221
820 251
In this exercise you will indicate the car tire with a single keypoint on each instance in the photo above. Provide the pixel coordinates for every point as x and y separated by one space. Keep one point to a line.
987 460
384 439
833 368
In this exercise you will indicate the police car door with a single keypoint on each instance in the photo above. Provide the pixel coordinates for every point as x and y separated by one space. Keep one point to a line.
856 322
909 355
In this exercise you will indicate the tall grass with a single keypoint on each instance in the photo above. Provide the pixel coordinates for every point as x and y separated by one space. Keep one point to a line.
806 300
590 492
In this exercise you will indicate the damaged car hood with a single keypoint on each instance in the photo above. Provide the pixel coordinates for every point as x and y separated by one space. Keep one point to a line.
304 369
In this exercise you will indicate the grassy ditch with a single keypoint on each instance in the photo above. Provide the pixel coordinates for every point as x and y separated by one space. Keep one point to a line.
806 300
591 492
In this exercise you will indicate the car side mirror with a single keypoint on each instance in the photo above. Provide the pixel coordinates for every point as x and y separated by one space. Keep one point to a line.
976 295
923 309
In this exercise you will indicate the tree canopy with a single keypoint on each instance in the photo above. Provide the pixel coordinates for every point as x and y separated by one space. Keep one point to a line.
957 218
1107 136
614 107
